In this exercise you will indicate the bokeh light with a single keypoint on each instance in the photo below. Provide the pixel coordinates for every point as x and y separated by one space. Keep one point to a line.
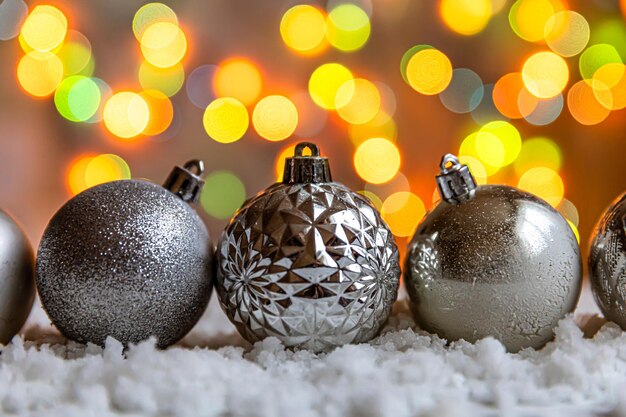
238 78
169 81
569 211
303 29
225 120
402 211
199 86
75 54
489 150
545 74
611 31
506 96
584 105
544 183
373 198
609 86
325 81
429 71
357 101
528 18
40 73
161 112
275 118
538 152
508 136
223 193
486 110
347 27
406 57
476 168
89 171
397 184
150 14
126 114
567 33
381 126
12 15
595 57
311 118
465 17
163 44
545 111
464 93
377 160
77 98
44 28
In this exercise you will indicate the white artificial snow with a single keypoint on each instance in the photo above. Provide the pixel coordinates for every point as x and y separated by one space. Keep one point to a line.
403 372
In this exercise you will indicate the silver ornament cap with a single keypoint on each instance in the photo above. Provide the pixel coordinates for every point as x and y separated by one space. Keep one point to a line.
607 262
17 283
491 260
308 261
129 259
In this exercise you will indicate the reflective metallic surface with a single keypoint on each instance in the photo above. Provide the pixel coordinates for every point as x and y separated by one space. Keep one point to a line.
17 289
607 263
311 264
502 264
128 259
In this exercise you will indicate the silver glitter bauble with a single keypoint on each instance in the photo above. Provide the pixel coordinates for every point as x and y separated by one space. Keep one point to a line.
17 288
491 261
308 261
607 263
128 259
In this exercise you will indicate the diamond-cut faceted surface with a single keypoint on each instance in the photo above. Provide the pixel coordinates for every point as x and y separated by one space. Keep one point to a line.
311 264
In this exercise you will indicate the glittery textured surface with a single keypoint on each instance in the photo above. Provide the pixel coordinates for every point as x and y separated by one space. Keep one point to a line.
503 264
127 259
17 288
311 264
607 263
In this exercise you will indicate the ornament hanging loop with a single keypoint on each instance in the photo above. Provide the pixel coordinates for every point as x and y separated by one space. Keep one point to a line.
455 181
186 182
301 169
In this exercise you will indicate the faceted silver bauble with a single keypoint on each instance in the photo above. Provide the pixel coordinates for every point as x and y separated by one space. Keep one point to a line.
502 263
311 264
17 283
607 263
128 259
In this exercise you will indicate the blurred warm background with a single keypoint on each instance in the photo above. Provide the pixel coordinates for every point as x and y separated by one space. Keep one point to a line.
529 92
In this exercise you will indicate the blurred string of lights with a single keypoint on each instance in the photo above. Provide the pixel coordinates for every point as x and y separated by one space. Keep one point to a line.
57 61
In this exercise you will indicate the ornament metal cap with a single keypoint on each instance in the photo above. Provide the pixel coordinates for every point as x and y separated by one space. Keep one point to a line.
455 181
300 169
186 182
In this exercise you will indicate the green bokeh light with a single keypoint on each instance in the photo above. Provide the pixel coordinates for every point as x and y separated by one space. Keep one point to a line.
613 32
404 62
348 27
223 194
538 152
77 98
595 57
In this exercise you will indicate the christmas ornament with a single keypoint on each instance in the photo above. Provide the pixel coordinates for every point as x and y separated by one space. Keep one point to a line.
308 261
607 263
128 259
491 261
17 288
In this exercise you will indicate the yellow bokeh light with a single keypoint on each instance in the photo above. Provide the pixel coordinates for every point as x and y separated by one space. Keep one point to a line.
609 85
279 162
357 101
169 81
163 44
347 27
544 183
466 17
567 33
476 168
44 28
275 118
538 152
76 55
584 105
508 136
429 71
126 114
528 18
377 160
40 73
403 211
149 14
225 120
545 74
373 198
161 112
89 170
303 29
381 126
490 146
238 78
324 83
